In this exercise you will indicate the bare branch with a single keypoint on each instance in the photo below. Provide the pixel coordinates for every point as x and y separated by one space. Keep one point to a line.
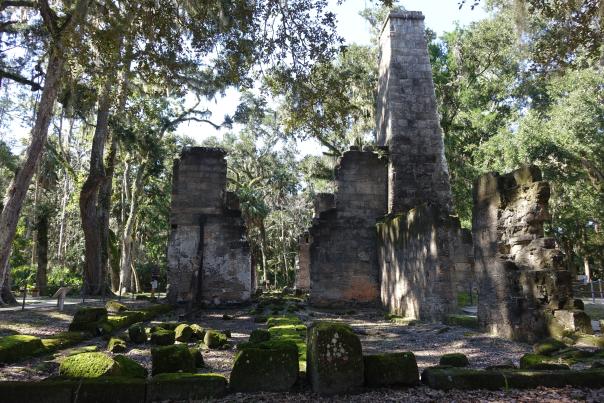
20 79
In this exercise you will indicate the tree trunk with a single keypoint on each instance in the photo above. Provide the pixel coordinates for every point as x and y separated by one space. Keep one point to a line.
17 190
65 197
93 261
42 247
586 268
127 241
104 206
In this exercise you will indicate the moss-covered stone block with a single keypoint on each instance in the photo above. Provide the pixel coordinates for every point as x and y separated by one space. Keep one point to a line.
454 360
125 319
137 333
214 339
334 358
16 347
293 333
186 387
175 358
198 332
283 320
183 333
259 335
63 340
115 307
541 362
165 326
128 368
152 311
447 378
548 346
391 369
197 357
110 390
36 391
163 337
89 365
116 345
88 320
271 366
469 321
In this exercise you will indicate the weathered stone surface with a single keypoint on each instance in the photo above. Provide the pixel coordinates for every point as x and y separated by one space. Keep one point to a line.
19 346
408 121
214 339
417 270
393 369
271 366
219 271
343 257
334 358
574 320
88 320
186 387
183 333
162 337
116 345
89 365
175 358
520 272
137 333
303 268
454 360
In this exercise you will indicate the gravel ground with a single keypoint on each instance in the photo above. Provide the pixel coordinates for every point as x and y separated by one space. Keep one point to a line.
427 341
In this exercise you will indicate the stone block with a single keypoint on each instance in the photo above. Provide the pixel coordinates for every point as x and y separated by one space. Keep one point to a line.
334 359
186 387
175 358
574 320
391 369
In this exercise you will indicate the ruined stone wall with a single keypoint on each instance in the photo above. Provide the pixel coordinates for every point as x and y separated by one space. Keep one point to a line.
522 280
343 255
408 121
462 255
208 257
417 263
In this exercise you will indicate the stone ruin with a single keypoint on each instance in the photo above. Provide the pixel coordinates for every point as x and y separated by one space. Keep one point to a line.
523 285
209 260
387 236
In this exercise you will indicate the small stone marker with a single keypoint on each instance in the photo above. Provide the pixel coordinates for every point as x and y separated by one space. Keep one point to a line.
60 296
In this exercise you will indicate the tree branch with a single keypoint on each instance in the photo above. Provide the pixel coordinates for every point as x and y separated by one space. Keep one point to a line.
5 4
20 79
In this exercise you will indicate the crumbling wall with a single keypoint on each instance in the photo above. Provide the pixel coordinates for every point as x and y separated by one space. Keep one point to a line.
408 121
522 280
208 257
343 253
417 261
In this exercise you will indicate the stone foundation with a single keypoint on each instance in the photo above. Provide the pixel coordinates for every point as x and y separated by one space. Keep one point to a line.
521 277
343 255
208 256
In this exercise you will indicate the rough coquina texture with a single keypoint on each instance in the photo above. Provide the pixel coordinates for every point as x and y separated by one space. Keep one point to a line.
522 280
209 259
417 262
343 253
408 121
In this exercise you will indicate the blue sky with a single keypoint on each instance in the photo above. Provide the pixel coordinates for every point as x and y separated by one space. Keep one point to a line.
441 16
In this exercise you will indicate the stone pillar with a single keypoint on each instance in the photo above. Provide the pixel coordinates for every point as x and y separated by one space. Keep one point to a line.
408 121
522 280
208 257
343 256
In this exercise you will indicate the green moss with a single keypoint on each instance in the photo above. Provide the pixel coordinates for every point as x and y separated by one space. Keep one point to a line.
259 335
465 299
540 362
283 320
198 332
197 357
16 347
129 368
137 333
468 321
214 339
116 345
463 378
548 346
394 369
163 337
334 358
267 366
88 320
89 365
115 307
63 340
183 333
165 326
125 320
186 387
155 310
454 360
175 358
